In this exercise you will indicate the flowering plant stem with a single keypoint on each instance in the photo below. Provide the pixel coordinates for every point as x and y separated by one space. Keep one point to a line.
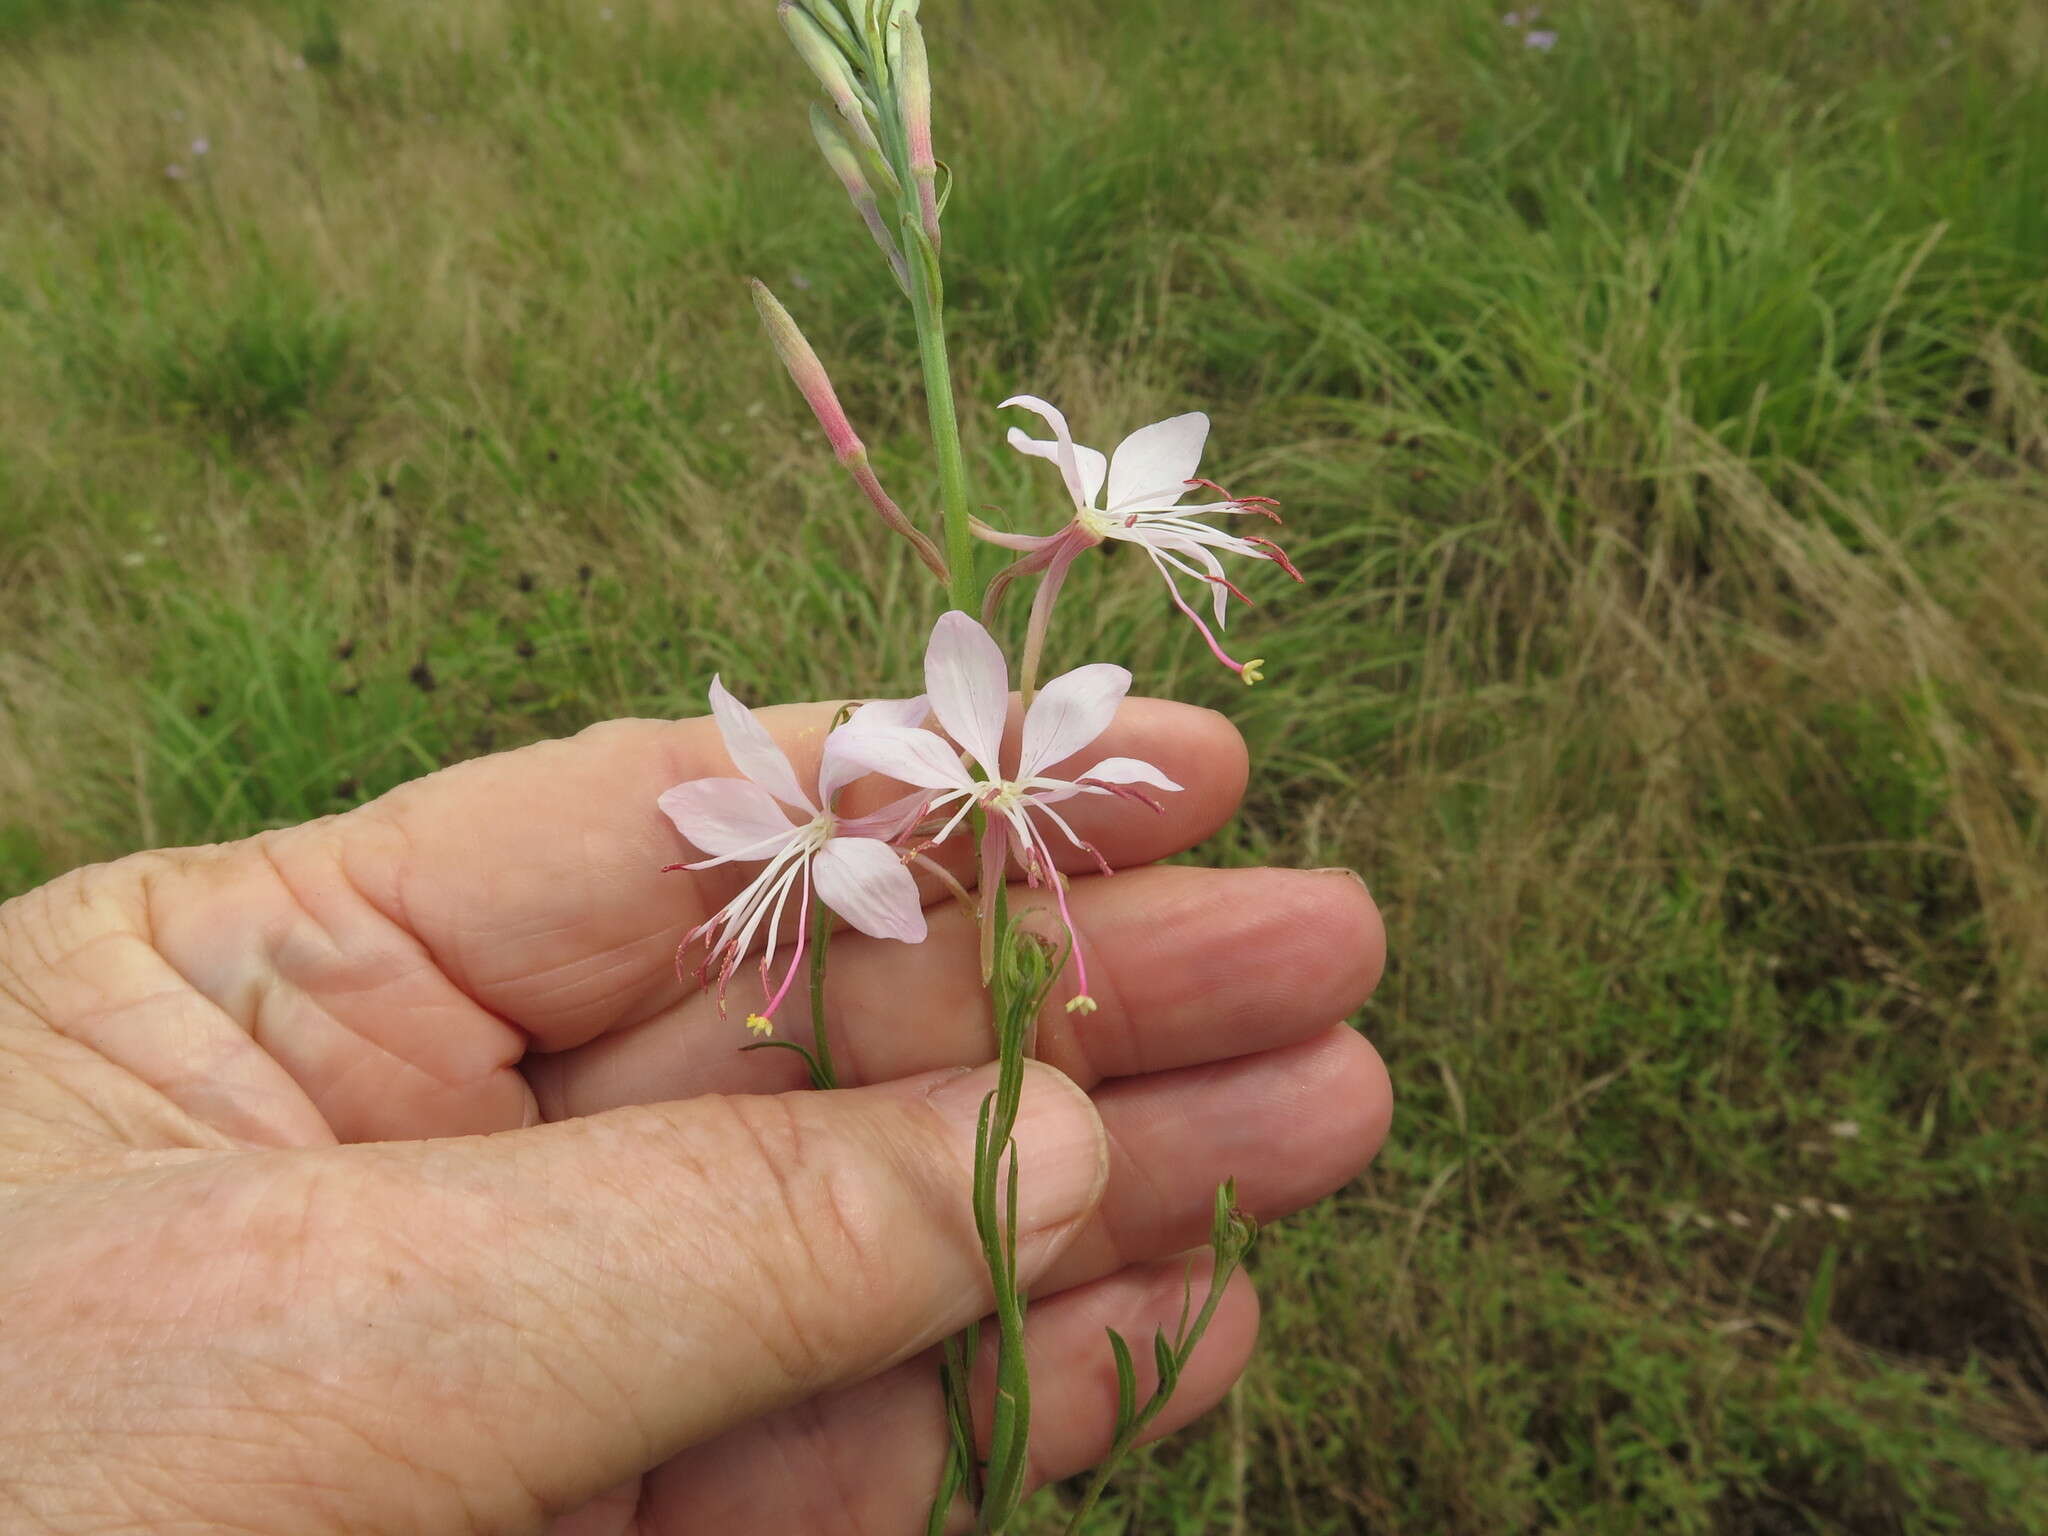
927 303
1230 1237
823 1073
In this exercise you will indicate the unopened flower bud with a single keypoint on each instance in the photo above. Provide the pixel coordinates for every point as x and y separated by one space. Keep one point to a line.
810 378
828 16
845 164
914 101
808 374
816 48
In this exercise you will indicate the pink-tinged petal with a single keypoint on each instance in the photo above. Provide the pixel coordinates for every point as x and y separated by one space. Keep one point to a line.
1153 466
727 818
905 713
835 769
1128 770
1028 543
969 684
753 750
865 883
915 757
1082 468
892 821
1083 476
1069 712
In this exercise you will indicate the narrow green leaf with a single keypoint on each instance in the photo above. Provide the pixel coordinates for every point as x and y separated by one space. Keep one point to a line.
1126 1381
1168 1366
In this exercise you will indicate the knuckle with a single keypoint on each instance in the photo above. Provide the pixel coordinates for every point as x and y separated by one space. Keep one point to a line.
813 1224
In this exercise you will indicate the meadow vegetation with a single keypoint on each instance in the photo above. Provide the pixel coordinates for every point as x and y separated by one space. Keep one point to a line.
1662 423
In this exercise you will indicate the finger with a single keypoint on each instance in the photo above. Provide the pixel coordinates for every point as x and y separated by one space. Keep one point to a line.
534 880
1190 965
1291 1126
394 964
868 1458
576 1302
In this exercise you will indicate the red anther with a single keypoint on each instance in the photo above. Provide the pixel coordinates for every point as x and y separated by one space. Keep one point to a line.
1226 582
1122 792
669 869
1279 557
1212 485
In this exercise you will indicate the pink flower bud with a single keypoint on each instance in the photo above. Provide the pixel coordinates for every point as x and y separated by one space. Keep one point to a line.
816 48
808 374
914 101
845 165
810 378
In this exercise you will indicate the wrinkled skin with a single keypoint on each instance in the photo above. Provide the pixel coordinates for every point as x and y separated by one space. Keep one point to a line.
382 1175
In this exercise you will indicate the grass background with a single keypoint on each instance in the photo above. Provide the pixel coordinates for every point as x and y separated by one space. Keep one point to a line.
1662 420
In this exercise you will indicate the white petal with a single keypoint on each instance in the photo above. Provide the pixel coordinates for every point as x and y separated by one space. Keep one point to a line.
865 883
1153 465
969 683
1089 466
835 768
727 818
1069 712
915 757
1082 468
906 713
1128 770
753 750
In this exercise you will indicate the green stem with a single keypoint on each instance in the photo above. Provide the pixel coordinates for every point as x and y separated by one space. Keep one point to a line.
927 302
823 1073
1127 1437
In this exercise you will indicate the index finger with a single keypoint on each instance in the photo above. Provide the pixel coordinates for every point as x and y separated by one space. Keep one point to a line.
533 879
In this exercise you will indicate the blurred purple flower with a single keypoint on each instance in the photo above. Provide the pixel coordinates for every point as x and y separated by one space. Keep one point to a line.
1540 40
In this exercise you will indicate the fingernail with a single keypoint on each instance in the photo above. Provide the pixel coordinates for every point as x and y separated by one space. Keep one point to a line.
1062 1153
1345 870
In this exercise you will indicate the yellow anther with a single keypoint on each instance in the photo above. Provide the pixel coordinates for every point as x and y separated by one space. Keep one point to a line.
761 1024
1254 671
1080 1002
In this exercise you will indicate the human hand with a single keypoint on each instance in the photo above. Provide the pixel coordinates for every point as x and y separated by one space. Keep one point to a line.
381 1175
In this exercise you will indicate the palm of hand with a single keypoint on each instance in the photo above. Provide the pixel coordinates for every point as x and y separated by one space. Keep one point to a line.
272 1265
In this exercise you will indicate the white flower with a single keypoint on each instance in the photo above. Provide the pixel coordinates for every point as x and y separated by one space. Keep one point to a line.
848 861
968 683
1146 478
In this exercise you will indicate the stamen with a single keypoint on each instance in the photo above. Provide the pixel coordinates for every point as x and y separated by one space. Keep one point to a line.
1122 792
1278 555
1263 505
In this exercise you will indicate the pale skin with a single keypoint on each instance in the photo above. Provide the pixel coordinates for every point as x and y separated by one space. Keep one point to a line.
380 1174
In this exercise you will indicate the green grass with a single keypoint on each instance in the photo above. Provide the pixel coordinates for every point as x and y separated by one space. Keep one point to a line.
1663 425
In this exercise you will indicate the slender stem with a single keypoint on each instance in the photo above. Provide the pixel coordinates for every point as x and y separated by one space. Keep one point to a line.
1127 1437
822 1070
927 302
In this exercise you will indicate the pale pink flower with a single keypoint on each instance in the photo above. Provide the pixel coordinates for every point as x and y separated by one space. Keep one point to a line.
1146 478
968 684
804 844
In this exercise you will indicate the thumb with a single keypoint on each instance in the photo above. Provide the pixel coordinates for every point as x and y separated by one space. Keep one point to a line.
611 1289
